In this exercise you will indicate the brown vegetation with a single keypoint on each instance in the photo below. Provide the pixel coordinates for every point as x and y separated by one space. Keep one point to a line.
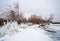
14 15
35 19
2 21
39 20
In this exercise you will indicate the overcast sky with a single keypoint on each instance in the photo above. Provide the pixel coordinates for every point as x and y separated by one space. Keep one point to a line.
38 7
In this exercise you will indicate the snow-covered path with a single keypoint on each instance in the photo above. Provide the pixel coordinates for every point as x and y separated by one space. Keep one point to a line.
27 34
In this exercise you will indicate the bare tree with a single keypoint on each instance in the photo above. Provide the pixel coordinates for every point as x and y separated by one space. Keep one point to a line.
16 7
51 17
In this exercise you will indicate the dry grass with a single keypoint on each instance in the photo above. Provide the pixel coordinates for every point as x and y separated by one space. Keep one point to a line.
40 20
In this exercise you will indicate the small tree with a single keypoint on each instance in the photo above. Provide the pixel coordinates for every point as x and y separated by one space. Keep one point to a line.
16 7
14 14
51 17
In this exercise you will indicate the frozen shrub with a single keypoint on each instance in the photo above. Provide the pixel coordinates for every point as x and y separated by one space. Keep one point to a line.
35 19
40 20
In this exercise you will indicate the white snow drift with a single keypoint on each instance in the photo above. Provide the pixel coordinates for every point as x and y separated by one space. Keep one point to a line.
23 32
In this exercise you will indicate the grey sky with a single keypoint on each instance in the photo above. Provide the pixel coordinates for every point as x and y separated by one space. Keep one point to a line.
38 7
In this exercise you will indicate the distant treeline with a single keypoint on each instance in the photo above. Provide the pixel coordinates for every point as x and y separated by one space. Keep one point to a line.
56 23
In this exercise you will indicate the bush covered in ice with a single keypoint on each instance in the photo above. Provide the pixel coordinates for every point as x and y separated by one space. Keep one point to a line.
8 28
12 27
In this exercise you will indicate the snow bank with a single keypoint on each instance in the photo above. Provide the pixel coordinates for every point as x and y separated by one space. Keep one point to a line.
55 26
8 28
28 35
22 32
11 27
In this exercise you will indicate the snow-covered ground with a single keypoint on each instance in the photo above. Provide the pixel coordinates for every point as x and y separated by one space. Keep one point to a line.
23 32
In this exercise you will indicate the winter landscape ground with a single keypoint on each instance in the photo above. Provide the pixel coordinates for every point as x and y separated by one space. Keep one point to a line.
27 32
23 32
36 20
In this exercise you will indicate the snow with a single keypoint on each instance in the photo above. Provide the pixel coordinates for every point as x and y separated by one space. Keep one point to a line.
55 26
23 32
